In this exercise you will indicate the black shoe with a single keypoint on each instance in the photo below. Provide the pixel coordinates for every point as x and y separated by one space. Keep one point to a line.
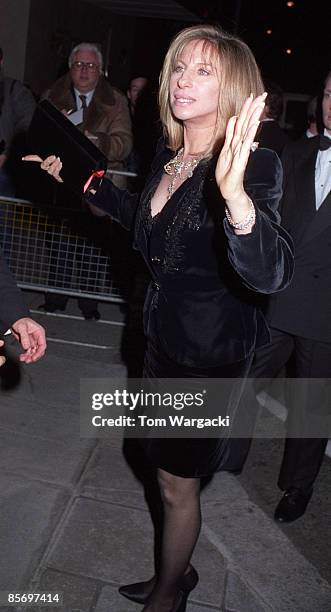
93 314
292 505
181 607
139 592
51 307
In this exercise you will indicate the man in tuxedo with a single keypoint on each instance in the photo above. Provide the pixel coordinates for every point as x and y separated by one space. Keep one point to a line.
300 316
14 316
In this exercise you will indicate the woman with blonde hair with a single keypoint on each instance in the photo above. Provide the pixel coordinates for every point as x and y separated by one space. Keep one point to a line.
208 228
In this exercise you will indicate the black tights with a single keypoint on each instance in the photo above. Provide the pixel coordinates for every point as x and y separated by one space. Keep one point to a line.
181 522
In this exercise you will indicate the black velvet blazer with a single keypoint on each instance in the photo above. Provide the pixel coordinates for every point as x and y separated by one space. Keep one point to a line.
202 306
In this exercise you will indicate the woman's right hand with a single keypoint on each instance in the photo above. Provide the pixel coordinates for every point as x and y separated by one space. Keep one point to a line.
52 165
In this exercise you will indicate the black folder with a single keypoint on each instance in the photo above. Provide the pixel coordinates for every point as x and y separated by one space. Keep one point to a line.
51 133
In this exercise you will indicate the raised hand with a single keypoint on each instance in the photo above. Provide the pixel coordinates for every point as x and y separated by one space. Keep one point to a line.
233 158
52 165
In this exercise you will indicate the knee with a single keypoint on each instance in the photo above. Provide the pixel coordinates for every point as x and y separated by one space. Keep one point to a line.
177 491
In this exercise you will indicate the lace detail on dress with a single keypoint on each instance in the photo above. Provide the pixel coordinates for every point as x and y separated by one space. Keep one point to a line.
187 216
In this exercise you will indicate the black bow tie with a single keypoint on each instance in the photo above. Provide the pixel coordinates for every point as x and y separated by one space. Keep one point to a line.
324 143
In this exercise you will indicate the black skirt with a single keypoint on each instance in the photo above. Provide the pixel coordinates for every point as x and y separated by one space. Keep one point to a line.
194 457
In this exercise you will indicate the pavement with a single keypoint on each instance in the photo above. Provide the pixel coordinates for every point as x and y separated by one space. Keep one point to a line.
73 518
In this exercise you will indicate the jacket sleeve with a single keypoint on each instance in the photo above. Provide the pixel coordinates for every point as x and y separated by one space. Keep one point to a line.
263 258
12 306
118 203
117 142
18 108
24 106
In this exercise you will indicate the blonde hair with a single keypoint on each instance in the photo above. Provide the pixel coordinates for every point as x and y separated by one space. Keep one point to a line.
238 74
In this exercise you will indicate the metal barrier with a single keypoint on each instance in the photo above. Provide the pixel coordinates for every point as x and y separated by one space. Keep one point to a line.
59 250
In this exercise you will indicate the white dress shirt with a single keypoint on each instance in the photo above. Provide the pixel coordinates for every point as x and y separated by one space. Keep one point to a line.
323 174
88 95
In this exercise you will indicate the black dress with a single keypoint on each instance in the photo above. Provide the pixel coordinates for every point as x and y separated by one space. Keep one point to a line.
201 315
190 457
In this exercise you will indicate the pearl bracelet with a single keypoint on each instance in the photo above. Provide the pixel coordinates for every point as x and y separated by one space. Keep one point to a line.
246 222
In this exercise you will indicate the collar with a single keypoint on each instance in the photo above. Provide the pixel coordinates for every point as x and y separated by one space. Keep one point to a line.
88 94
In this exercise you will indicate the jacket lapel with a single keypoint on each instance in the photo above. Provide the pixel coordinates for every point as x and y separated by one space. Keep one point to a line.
183 196
62 94
320 221
311 221
140 233
102 97
171 216
95 115
299 206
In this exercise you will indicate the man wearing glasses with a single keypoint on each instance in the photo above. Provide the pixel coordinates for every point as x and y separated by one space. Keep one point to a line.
103 115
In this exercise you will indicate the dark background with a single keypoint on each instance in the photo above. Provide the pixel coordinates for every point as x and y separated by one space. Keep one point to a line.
134 37
305 28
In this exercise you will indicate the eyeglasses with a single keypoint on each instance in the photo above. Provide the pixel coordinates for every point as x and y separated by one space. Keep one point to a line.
88 65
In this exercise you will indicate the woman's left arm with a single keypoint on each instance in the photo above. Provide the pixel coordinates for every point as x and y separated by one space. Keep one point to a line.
264 256
251 184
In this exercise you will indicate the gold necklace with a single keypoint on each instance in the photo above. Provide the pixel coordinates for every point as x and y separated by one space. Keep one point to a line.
176 168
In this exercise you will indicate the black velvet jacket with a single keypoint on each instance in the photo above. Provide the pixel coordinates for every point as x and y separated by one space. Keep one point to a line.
202 308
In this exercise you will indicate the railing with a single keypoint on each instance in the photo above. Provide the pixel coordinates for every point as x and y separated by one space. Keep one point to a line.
63 251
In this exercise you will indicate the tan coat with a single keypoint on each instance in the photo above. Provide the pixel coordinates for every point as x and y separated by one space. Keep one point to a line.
107 117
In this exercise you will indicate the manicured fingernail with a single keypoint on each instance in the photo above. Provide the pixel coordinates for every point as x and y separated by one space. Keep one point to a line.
264 95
